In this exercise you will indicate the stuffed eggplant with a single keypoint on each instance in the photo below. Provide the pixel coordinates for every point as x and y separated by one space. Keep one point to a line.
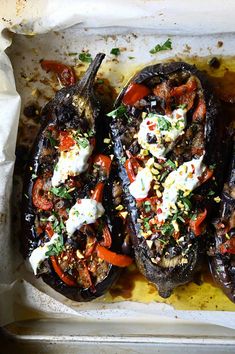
71 233
222 250
168 143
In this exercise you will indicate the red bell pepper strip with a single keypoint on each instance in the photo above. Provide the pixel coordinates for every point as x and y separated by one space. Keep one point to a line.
98 192
131 166
134 93
103 161
65 278
66 141
107 238
64 72
40 197
200 111
120 260
181 90
228 246
195 225
206 175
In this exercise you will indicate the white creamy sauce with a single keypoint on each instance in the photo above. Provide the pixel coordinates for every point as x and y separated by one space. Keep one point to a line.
141 186
71 163
39 254
86 211
164 129
186 179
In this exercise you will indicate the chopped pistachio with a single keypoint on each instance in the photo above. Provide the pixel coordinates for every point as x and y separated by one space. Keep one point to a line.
119 207
107 140
154 171
79 254
124 214
217 199
144 152
157 165
159 194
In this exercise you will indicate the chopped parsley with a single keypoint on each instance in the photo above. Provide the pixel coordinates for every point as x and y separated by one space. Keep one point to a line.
170 164
118 112
115 51
51 139
182 106
167 229
34 176
164 174
100 81
85 57
147 206
163 123
56 248
58 224
83 142
61 192
160 47
146 223
213 166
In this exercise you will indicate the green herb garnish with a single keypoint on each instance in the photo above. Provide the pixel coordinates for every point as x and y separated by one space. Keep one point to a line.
171 164
146 223
163 123
51 139
167 229
182 106
115 51
100 81
61 192
118 112
164 174
211 192
85 57
213 166
160 47
131 58
34 176
147 206
56 248
83 142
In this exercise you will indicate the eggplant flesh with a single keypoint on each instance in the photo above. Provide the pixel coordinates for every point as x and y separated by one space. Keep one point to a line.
74 113
168 254
222 248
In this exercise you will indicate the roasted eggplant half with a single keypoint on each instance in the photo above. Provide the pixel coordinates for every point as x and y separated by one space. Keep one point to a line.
71 234
222 250
168 143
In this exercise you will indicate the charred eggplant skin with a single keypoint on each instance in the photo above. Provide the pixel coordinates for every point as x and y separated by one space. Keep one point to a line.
166 279
222 264
61 113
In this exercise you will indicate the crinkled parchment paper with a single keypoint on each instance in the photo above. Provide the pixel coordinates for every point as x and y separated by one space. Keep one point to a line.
21 295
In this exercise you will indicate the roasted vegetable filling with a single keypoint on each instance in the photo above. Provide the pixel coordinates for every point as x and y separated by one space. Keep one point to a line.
72 232
161 125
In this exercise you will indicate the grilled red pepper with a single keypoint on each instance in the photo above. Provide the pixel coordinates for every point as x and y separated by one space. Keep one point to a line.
114 258
134 93
64 72
196 224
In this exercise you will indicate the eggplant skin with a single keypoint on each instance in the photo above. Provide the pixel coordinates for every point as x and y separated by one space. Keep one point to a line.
169 277
60 112
222 265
